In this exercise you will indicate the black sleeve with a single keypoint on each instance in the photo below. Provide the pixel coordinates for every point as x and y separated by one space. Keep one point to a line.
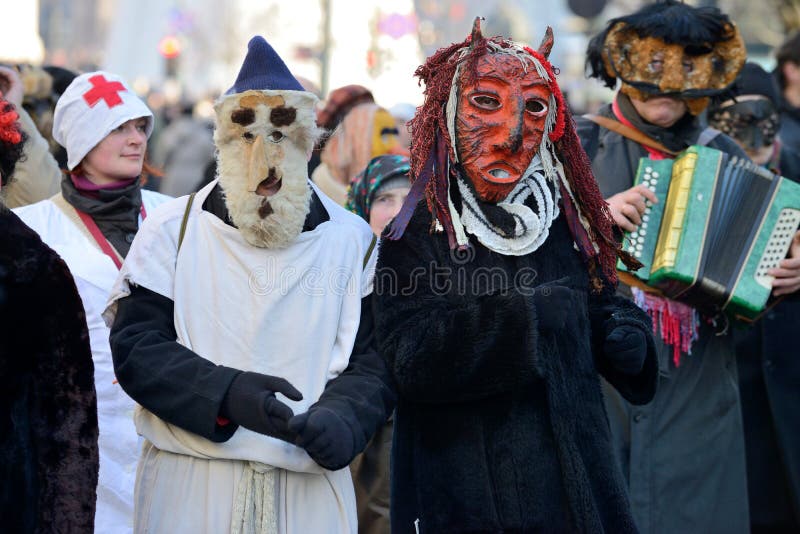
363 394
606 313
446 347
166 378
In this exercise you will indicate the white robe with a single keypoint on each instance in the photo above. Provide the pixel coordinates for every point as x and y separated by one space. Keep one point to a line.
292 313
94 275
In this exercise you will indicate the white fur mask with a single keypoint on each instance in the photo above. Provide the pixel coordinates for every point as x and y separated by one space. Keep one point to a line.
263 139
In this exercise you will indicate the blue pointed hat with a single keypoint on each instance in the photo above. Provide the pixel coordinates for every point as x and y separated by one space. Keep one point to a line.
263 69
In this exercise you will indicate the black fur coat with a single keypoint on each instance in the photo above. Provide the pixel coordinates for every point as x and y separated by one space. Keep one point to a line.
48 407
500 426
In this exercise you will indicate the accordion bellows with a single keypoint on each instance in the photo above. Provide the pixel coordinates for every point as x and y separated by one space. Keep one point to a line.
720 224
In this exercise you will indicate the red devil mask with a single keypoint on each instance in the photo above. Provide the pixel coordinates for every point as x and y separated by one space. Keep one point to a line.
500 123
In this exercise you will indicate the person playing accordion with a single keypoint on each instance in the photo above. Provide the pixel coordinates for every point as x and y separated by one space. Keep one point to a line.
683 454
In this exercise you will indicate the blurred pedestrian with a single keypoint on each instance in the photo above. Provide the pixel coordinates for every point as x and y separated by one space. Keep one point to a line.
37 176
184 149
338 104
365 132
787 72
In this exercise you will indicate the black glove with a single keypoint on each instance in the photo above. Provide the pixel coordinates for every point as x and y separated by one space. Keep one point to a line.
625 347
553 302
325 436
250 402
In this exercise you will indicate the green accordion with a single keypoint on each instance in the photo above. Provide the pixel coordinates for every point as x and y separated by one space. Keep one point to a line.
720 224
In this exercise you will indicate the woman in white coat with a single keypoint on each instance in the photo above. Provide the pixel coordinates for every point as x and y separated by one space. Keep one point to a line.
104 127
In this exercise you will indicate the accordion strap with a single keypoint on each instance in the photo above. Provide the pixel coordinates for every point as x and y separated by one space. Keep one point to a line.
631 133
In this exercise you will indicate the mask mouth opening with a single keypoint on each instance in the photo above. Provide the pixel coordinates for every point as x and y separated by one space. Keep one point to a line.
500 173
269 186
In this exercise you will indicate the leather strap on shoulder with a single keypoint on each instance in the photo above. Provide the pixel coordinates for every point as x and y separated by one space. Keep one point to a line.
369 251
185 220
630 133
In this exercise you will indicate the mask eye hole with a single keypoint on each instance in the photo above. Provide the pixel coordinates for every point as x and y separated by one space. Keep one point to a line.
247 136
656 65
487 102
276 136
536 107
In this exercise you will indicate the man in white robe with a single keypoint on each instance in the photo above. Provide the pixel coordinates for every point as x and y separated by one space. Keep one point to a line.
238 328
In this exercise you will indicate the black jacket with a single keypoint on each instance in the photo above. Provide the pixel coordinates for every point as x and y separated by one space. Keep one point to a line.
48 406
499 427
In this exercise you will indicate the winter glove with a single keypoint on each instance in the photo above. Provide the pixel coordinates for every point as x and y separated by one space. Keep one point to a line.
250 402
553 302
625 347
325 436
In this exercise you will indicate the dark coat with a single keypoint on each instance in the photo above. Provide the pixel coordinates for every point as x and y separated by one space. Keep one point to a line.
48 407
769 377
683 454
789 133
500 426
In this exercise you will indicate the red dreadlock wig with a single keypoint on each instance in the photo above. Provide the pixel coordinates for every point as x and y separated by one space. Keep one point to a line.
432 151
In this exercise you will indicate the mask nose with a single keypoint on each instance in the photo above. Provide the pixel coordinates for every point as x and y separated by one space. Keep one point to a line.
673 79
257 168
516 125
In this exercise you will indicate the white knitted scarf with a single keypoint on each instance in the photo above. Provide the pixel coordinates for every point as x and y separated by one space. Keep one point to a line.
532 224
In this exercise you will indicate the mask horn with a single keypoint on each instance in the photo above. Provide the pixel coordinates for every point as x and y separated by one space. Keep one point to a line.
476 32
547 43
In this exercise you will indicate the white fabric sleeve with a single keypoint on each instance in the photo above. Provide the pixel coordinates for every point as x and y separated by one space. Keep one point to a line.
151 260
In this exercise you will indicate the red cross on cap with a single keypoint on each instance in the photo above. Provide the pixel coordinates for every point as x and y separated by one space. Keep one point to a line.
102 89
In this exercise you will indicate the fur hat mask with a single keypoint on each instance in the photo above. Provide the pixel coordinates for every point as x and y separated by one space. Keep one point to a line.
265 131
669 49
